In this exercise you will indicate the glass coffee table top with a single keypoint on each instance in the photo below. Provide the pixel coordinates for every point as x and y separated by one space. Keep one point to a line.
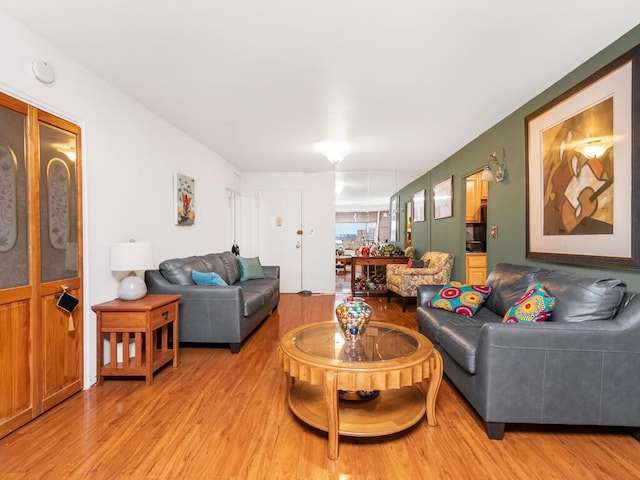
379 343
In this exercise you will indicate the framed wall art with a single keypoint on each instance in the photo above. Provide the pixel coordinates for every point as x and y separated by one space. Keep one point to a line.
184 200
582 178
393 234
418 206
443 198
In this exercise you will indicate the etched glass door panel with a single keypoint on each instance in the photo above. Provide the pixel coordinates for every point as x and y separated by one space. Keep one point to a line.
14 237
58 204
61 263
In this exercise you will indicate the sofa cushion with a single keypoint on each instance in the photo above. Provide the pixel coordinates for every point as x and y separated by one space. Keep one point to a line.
215 264
508 282
253 301
250 268
178 270
460 342
535 305
207 278
264 286
459 298
231 266
582 298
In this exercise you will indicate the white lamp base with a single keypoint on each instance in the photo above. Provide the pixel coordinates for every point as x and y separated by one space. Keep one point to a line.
132 288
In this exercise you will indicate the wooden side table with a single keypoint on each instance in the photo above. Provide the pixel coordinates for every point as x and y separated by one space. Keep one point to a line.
143 320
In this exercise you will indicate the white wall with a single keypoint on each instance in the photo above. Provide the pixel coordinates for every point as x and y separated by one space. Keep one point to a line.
318 222
130 156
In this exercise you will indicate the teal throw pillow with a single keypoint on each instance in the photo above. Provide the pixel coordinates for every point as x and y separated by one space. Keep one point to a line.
250 268
207 278
459 298
535 305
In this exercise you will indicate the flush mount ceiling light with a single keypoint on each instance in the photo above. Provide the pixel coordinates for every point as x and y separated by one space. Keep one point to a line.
43 71
334 150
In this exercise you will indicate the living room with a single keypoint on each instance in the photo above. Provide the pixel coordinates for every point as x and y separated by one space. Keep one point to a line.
131 154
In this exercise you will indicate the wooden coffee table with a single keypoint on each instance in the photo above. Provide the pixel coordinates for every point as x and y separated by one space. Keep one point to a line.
390 359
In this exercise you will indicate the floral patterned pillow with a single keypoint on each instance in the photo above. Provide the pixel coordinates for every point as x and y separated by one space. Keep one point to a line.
535 305
460 298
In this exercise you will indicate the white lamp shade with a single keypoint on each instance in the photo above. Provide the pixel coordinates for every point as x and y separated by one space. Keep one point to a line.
131 256
487 174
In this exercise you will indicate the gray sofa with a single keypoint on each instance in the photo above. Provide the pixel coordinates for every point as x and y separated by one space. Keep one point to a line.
582 367
216 314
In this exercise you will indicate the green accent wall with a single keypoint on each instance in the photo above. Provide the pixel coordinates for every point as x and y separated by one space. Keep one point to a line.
507 200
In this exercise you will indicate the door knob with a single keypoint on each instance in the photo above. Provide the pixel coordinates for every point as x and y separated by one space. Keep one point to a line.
297 244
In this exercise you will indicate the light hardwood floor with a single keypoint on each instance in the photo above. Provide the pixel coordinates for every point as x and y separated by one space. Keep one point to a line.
224 416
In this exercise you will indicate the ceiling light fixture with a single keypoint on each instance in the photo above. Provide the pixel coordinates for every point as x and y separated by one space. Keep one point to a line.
334 150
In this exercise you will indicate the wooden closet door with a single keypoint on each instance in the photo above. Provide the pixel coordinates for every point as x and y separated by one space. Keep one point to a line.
41 350
60 229
17 399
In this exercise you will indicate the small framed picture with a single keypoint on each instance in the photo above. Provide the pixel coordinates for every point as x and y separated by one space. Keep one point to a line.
184 200
443 198
418 206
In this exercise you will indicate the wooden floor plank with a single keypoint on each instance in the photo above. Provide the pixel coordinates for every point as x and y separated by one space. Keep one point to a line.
224 416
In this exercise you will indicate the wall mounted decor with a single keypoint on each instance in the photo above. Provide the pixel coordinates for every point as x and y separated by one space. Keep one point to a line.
418 206
184 200
393 233
443 198
581 166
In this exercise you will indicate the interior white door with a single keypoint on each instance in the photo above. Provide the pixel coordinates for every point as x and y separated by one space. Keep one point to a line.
280 235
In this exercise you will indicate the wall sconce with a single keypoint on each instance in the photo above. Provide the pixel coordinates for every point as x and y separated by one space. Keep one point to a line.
487 173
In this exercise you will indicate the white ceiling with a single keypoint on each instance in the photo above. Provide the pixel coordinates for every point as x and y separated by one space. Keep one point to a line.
406 82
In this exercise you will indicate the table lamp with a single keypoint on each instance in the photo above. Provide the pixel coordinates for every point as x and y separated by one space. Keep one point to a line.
129 257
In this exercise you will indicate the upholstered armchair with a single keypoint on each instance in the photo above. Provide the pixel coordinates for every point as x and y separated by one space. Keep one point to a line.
404 281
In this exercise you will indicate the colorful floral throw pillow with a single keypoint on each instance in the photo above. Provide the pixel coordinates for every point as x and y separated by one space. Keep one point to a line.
535 305
460 298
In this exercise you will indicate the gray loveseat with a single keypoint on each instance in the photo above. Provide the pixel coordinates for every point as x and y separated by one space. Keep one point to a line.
217 314
582 367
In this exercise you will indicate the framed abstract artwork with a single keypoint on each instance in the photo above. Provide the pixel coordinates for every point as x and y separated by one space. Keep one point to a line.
443 198
184 200
582 174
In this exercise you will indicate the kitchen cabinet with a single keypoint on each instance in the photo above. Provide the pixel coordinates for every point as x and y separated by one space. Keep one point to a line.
473 213
476 268
477 191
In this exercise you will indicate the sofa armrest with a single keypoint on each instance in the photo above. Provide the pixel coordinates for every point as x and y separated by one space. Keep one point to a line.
426 293
271 271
